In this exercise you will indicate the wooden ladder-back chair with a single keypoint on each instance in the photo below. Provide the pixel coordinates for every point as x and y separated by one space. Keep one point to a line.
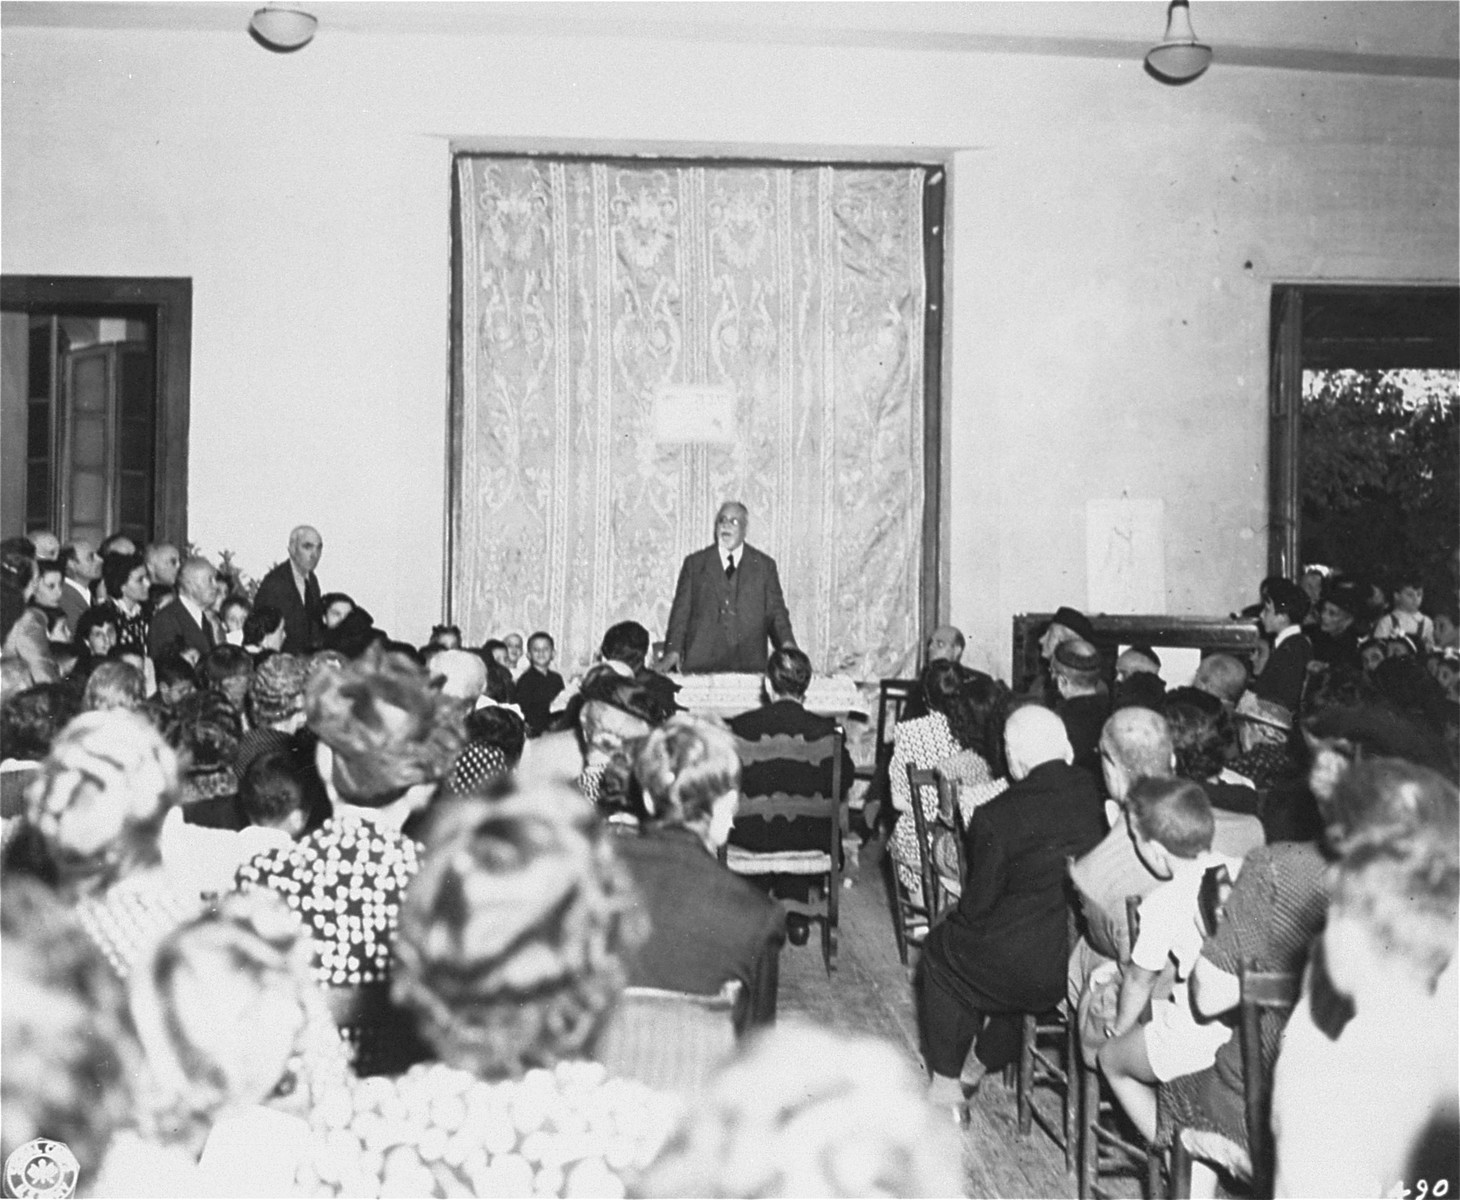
671 1041
826 863
1262 992
1105 1149
913 915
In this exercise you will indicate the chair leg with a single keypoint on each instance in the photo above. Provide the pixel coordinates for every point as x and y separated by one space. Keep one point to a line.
1071 1106
1025 1084
1180 1168
1089 1117
1154 1170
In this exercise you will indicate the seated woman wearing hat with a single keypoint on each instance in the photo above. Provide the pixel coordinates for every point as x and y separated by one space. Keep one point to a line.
510 954
386 738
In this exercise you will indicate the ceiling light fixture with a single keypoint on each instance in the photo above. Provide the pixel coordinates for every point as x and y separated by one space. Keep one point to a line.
1179 58
282 29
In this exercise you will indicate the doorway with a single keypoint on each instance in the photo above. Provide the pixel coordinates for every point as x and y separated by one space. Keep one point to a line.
1365 409
95 406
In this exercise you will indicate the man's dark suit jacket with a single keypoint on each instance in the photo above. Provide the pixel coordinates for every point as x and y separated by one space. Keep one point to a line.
1084 718
719 624
1004 948
785 717
1282 679
707 924
303 619
173 628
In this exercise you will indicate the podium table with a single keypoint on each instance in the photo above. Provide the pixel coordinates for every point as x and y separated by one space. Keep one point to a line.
729 694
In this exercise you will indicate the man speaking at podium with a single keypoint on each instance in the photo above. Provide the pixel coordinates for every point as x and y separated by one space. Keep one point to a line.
727 604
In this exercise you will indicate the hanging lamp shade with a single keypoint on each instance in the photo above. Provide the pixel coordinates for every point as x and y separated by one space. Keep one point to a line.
283 29
1179 58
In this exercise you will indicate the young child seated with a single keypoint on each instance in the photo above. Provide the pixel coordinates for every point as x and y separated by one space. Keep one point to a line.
539 685
1171 824
1405 618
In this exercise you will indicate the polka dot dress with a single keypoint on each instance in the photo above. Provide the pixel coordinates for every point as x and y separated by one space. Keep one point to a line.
439 1131
346 881
478 766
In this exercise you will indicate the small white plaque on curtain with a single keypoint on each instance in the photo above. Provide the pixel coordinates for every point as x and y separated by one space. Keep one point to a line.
695 412
1125 556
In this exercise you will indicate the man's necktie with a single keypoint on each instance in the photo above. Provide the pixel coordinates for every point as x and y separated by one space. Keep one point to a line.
730 567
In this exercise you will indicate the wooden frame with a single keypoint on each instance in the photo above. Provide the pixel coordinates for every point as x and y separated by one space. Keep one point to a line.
168 303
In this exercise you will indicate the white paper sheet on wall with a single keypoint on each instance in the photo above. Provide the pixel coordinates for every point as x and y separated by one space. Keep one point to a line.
1125 553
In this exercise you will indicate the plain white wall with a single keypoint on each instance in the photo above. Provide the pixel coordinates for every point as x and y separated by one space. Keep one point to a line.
1112 247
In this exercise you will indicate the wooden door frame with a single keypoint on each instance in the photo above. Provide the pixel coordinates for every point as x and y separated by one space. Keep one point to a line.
170 300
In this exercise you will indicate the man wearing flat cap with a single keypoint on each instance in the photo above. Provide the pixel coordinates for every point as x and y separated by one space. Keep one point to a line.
1084 702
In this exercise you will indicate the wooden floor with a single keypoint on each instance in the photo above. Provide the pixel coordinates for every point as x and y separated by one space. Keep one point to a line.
871 993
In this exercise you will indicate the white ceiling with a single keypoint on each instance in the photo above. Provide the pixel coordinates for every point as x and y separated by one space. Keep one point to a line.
1399 37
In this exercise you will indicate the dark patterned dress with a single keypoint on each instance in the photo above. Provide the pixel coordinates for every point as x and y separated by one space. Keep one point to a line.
1277 907
346 880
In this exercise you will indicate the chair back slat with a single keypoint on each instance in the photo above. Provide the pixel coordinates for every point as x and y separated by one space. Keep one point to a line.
919 778
785 747
671 1041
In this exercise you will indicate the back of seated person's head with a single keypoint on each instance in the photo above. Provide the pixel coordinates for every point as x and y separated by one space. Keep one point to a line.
354 634
1405 685
940 683
404 649
1388 794
1075 664
1143 689
276 691
463 674
1201 732
788 671
206 728
388 729
71 1059
802 1111
30 720
627 642
1223 675
525 974
499 682
978 717
605 687
116 569
228 669
114 685
15 676
1174 813
497 726
1033 736
1139 741
689 771
493 650
100 798
1340 686
1392 912
280 790
263 621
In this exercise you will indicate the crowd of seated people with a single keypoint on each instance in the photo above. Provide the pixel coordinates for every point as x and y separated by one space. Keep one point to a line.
324 912
271 876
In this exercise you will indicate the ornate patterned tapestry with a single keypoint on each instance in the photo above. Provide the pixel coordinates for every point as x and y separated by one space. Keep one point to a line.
587 287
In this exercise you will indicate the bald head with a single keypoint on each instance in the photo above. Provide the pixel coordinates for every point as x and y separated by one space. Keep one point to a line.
946 642
1032 736
1222 676
305 548
465 673
1135 744
198 581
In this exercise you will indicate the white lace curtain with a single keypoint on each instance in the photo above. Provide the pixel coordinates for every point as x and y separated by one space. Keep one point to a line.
796 293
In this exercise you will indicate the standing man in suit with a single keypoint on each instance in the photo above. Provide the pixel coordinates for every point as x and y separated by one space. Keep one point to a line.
1282 678
727 603
183 625
83 568
293 589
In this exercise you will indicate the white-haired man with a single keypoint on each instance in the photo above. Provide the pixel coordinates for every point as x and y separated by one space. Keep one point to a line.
293 589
